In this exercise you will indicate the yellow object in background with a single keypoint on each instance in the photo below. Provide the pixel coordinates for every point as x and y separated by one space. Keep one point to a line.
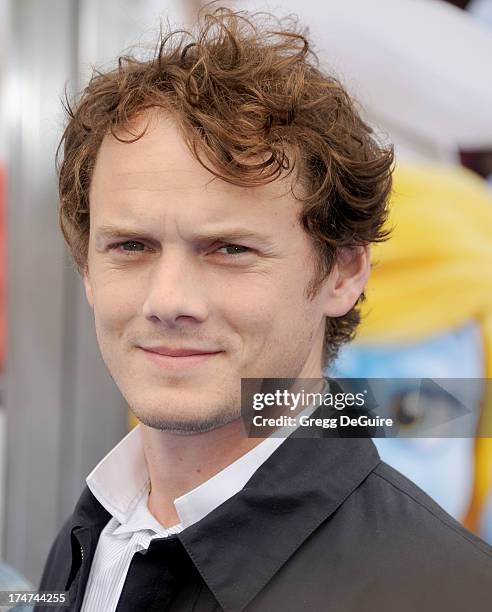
132 420
435 274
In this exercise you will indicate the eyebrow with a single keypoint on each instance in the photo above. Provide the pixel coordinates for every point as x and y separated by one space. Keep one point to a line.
220 234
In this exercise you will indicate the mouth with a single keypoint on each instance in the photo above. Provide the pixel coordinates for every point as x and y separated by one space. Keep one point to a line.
178 358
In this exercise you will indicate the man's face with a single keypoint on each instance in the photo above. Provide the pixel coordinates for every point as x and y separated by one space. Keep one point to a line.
195 283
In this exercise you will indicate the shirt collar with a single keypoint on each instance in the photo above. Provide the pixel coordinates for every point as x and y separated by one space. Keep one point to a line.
120 481
141 519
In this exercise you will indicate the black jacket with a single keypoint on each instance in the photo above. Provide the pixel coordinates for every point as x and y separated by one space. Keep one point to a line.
322 525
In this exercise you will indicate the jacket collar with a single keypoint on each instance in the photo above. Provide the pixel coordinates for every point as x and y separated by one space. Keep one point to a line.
89 512
240 545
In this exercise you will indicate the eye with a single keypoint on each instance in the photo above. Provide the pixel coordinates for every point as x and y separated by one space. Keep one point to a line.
234 249
128 246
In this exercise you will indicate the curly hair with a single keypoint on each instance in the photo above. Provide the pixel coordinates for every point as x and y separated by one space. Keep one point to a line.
252 104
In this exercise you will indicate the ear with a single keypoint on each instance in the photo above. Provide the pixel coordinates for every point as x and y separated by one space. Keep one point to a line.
347 280
88 287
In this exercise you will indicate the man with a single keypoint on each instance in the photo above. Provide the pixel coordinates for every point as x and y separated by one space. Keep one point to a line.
219 201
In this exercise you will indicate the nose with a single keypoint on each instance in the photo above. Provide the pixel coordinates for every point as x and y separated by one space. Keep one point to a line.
175 290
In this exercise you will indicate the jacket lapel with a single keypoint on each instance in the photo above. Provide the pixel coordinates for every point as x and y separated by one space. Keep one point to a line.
241 545
88 520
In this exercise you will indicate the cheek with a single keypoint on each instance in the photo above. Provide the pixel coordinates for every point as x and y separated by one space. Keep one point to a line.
247 310
294 320
271 313
116 301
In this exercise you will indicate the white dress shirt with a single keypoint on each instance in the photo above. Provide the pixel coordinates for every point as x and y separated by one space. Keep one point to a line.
120 482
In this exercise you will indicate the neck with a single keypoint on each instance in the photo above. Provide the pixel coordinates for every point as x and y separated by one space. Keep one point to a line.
179 463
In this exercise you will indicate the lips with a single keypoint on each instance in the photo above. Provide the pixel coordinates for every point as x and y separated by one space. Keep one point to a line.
182 352
176 359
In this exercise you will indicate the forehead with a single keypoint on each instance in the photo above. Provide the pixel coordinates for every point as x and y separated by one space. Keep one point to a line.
159 167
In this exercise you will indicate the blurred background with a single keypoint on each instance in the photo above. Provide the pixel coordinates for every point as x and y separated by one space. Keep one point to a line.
421 71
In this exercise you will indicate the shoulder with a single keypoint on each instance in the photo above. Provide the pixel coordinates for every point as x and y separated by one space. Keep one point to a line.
89 516
392 544
59 560
408 509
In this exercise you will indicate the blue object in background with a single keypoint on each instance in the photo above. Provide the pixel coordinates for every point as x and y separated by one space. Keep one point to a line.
10 580
442 467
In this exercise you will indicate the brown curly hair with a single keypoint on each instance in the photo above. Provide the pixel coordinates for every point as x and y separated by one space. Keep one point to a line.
242 87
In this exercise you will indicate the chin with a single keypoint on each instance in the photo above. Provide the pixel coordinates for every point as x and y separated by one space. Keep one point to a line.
186 422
